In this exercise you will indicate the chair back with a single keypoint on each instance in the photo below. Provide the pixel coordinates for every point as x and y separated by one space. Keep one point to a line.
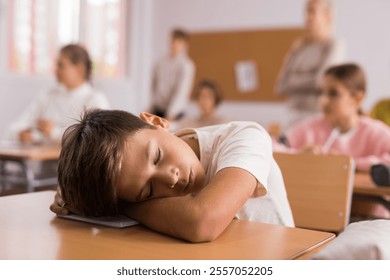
319 189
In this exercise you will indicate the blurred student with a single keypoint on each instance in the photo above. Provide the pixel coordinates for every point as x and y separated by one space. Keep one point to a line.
300 77
173 79
189 185
343 128
54 110
208 96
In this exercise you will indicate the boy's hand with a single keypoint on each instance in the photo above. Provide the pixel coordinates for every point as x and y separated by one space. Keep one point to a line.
58 205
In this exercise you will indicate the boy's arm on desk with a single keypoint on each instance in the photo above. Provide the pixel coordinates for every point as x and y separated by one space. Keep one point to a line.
198 217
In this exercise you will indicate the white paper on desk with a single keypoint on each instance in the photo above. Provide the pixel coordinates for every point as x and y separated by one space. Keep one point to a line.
119 221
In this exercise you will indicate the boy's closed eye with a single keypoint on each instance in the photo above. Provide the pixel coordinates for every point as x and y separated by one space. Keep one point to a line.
158 156
146 192
156 161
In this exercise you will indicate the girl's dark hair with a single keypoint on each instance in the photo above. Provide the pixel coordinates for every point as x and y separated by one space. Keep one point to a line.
91 157
213 86
78 54
351 76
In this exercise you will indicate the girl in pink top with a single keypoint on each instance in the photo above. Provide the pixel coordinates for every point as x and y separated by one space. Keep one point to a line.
343 128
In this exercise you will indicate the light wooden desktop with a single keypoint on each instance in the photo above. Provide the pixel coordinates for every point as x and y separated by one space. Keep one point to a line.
30 231
22 155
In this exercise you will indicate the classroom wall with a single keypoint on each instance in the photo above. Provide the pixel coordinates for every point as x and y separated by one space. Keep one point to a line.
361 23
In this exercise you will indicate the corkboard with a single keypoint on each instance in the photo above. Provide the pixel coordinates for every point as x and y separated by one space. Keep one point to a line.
216 54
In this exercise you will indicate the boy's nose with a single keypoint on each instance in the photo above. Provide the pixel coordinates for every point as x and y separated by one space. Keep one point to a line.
170 176
174 176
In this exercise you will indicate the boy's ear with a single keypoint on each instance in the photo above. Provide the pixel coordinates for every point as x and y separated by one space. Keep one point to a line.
155 120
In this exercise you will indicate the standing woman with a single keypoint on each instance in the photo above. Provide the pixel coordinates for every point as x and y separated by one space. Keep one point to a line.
54 110
301 75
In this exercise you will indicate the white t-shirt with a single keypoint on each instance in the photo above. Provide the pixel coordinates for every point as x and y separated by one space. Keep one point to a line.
61 106
248 146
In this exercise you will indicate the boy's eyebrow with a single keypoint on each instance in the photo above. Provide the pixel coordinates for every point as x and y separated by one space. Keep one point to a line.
148 149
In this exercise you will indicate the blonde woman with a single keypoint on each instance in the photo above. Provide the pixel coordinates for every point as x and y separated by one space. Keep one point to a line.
301 75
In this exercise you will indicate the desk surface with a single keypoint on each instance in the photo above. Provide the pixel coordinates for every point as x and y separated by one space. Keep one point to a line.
30 231
363 185
36 152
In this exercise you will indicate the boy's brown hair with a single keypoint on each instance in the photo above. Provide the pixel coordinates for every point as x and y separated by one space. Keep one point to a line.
90 160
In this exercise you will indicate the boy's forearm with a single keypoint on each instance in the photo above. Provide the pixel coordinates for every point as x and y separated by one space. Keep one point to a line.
198 217
176 216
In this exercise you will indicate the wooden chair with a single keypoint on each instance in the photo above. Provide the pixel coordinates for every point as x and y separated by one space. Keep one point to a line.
319 189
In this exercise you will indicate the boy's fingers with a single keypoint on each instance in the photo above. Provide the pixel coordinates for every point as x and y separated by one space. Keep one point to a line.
58 205
57 209
58 198
64 211
59 201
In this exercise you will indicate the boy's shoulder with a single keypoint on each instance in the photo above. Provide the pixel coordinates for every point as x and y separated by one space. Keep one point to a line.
222 129
232 126
244 132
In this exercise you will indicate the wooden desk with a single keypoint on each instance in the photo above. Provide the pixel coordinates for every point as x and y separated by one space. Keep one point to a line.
365 188
30 231
363 184
23 155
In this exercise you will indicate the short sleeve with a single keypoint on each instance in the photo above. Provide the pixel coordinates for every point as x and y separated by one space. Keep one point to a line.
249 148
